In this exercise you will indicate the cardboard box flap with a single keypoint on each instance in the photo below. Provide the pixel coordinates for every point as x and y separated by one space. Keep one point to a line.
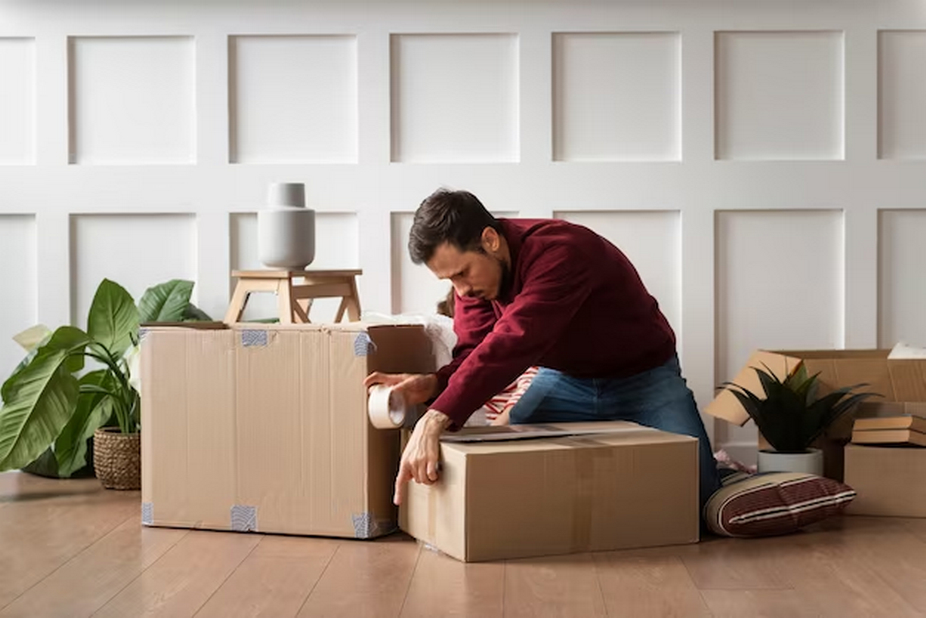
726 406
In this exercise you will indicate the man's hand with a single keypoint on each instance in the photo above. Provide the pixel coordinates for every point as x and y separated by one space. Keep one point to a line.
503 419
416 388
419 461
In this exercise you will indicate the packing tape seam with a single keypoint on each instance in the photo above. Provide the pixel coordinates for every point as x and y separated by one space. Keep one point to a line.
582 507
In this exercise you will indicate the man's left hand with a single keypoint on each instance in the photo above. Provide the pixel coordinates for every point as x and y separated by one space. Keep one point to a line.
419 460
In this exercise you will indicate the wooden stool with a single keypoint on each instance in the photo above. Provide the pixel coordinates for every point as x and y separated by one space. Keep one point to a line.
295 299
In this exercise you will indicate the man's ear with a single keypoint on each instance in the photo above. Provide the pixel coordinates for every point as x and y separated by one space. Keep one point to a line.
491 242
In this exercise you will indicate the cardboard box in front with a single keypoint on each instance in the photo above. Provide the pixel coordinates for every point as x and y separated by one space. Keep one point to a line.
888 480
626 486
265 428
900 380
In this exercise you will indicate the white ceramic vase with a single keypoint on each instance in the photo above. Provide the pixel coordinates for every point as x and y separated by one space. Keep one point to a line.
810 462
286 228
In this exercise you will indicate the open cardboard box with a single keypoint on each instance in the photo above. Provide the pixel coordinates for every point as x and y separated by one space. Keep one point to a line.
896 380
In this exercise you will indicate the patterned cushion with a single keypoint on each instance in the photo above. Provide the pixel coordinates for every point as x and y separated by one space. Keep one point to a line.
773 503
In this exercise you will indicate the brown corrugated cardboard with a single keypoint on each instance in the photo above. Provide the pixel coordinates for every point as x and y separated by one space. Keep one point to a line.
895 379
627 486
265 427
888 480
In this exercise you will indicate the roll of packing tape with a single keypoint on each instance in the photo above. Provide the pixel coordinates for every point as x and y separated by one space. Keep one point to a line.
387 408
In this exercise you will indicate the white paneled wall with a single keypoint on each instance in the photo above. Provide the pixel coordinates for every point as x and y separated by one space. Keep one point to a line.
779 95
617 97
19 277
136 251
761 162
293 99
901 58
454 98
17 100
132 100
902 268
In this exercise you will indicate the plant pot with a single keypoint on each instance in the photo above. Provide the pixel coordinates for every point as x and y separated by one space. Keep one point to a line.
809 462
117 458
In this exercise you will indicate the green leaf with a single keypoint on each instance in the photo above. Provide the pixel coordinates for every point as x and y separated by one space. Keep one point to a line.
32 337
94 408
73 341
113 318
37 406
66 340
166 302
195 314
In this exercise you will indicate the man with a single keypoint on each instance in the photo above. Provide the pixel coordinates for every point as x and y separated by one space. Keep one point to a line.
547 293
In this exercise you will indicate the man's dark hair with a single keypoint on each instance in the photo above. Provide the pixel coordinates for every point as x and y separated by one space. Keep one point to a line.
455 217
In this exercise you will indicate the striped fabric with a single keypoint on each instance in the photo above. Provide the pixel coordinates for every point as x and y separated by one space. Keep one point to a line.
774 503
506 399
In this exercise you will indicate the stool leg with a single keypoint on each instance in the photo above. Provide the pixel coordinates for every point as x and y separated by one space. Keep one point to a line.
301 311
353 307
237 304
285 301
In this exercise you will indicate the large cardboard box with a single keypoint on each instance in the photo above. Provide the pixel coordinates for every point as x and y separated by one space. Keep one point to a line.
887 480
265 428
623 486
895 380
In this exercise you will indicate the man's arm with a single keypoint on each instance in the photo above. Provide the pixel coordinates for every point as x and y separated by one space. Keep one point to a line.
557 283
473 320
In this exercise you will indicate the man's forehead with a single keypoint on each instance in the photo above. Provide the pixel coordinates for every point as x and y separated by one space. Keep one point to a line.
447 260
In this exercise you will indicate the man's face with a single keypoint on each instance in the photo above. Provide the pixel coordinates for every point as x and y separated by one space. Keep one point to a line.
472 273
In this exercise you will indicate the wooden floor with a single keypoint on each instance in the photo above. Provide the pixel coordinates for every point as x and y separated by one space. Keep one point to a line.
69 548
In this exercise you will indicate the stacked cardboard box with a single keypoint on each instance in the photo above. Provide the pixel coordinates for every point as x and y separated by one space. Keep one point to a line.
897 381
886 462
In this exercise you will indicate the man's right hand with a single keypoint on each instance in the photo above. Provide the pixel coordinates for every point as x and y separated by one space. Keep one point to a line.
416 388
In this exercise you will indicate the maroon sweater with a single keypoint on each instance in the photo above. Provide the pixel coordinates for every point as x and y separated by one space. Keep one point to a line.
576 304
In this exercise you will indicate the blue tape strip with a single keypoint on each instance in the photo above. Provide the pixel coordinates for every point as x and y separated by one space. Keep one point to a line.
244 518
254 338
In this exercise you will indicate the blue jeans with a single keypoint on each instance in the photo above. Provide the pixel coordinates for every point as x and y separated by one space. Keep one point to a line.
658 398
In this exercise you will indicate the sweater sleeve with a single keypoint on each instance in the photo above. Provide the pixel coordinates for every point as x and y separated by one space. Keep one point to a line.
556 283
472 321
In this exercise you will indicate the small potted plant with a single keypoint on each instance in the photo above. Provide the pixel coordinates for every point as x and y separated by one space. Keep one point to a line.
791 417
54 407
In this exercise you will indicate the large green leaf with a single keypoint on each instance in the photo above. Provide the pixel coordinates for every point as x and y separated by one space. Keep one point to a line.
38 404
195 314
93 409
113 318
73 340
166 302
33 337
68 340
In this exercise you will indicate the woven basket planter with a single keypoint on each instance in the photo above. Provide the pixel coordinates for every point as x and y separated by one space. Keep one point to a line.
117 458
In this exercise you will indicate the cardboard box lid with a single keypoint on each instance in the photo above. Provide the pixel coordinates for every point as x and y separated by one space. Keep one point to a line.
895 380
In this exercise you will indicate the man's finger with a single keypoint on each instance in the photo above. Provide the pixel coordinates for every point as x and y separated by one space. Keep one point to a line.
432 470
424 477
400 482
374 378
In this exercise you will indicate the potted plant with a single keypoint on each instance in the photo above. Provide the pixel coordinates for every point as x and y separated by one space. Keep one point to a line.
791 417
54 405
